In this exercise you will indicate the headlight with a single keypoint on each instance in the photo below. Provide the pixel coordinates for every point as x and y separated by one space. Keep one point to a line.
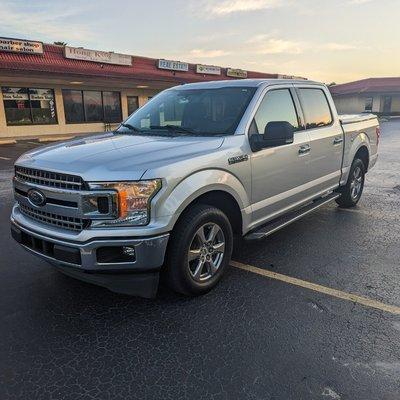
133 201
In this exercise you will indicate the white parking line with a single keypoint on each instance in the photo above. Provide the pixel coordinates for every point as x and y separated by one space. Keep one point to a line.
319 288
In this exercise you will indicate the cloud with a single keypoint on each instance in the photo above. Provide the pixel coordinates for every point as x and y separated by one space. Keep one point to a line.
204 53
338 46
46 24
221 8
264 44
360 1
267 44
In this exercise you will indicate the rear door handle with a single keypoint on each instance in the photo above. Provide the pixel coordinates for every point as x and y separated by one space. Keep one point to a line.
304 149
337 140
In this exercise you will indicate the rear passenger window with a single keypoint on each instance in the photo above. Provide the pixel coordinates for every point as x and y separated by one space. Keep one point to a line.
316 108
277 105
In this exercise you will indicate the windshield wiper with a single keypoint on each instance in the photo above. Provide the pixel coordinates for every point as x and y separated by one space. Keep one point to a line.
130 127
177 129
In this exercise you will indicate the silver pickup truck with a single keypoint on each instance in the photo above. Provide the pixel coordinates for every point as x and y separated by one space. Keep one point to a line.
165 193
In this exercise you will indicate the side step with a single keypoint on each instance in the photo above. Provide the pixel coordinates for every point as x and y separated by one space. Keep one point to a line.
281 222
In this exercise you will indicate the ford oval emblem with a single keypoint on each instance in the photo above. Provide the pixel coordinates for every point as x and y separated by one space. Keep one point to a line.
37 198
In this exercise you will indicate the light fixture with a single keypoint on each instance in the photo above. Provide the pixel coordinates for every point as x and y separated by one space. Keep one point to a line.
76 83
142 86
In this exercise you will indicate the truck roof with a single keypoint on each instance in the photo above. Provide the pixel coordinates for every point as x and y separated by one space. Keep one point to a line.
243 82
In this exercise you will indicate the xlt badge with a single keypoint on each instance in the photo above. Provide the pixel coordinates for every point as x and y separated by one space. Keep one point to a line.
238 159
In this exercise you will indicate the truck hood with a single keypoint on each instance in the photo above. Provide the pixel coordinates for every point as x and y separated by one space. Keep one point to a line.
116 157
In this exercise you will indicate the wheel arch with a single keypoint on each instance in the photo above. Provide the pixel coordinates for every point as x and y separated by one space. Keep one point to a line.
217 188
363 154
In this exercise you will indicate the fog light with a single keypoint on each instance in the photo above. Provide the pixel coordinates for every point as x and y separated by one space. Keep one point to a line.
129 251
116 254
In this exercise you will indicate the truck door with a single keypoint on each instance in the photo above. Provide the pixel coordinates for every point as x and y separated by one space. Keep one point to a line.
278 173
326 138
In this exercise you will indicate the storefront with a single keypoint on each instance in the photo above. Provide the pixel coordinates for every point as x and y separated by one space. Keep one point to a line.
53 91
380 96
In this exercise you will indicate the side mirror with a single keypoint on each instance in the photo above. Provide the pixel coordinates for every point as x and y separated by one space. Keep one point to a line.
278 133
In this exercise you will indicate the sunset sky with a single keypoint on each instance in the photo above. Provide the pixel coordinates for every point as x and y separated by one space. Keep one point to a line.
340 40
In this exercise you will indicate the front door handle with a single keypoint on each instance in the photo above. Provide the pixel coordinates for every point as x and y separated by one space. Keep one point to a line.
304 149
337 140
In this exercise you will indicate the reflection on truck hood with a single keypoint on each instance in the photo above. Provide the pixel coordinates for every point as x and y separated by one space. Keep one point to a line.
116 156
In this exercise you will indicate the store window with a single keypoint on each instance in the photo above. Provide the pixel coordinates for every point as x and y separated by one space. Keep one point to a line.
91 106
112 107
73 106
368 104
29 106
133 104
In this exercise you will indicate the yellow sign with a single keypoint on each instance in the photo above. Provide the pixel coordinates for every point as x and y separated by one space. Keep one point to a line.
236 73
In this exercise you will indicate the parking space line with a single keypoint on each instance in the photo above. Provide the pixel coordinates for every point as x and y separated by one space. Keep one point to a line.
319 288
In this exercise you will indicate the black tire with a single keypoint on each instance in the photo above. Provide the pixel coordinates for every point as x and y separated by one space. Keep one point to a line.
348 197
179 272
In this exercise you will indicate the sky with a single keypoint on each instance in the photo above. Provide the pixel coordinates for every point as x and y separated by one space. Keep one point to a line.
325 40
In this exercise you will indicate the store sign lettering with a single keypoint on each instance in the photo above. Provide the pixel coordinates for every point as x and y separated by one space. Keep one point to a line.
103 57
21 46
236 73
208 69
15 96
173 65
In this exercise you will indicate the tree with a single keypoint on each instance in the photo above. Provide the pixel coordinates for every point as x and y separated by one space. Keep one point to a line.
61 43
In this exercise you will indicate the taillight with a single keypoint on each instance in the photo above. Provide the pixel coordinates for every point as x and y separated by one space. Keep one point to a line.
378 134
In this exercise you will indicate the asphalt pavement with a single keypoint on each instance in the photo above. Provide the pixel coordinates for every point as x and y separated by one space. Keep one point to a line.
253 337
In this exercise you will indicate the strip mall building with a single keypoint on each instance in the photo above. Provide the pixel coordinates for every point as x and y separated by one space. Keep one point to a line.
58 91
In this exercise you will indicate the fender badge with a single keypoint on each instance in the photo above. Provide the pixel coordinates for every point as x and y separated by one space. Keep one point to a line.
238 159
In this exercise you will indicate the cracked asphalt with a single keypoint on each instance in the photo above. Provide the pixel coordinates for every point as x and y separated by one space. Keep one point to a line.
250 338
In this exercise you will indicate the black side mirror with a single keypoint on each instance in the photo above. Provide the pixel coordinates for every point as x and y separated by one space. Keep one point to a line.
278 133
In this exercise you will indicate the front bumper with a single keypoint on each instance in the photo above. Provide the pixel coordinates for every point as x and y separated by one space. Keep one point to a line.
81 259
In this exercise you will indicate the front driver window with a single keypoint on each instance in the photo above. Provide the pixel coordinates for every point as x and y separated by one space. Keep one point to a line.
277 105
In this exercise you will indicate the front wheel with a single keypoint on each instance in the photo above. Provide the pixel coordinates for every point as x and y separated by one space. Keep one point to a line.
199 251
352 191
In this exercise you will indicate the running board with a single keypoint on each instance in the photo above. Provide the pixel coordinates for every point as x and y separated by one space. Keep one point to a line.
281 222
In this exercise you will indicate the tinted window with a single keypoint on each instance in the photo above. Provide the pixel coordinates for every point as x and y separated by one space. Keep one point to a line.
93 106
198 111
29 106
277 105
368 103
133 104
112 107
43 106
73 106
316 108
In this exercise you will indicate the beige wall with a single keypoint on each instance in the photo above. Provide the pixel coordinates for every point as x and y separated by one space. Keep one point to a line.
27 131
355 104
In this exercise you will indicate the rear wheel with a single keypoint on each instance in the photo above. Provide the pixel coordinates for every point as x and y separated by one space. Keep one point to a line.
352 191
199 251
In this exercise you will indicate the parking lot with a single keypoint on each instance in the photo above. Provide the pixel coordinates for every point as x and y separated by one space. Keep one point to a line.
331 334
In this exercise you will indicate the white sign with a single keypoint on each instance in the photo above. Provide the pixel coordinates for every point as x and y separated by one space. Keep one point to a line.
291 77
104 57
15 96
236 73
173 65
21 46
42 96
208 69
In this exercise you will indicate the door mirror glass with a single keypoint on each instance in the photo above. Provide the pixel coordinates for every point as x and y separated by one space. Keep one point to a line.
278 133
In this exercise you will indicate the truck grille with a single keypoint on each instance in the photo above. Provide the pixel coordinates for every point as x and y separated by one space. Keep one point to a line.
51 179
71 223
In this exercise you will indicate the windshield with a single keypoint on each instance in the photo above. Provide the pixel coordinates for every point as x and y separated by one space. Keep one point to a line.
191 112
